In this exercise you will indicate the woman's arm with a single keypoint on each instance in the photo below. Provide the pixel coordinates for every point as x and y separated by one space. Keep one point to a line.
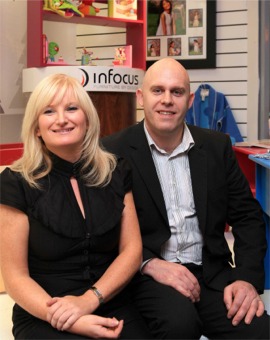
113 280
163 23
14 232
129 259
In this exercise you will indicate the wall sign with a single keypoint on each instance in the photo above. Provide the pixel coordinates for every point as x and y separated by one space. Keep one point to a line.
182 29
93 78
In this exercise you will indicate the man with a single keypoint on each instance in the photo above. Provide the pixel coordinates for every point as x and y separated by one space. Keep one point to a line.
187 185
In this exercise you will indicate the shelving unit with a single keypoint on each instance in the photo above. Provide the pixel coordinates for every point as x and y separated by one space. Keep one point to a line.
135 31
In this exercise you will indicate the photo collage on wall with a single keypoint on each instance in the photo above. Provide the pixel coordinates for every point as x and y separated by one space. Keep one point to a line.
176 28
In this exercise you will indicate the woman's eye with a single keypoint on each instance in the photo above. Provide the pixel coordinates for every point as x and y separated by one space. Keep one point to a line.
48 111
72 108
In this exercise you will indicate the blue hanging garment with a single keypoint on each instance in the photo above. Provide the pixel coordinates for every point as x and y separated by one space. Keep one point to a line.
211 110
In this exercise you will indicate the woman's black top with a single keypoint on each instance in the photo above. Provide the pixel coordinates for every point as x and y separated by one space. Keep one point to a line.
67 252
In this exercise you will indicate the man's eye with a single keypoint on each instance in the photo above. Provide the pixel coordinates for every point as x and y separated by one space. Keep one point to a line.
157 91
178 93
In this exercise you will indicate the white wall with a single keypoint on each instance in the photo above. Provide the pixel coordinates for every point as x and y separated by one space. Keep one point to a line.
12 61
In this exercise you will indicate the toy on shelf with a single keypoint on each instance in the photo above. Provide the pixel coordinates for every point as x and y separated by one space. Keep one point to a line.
65 8
50 50
86 7
123 56
53 49
120 56
87 59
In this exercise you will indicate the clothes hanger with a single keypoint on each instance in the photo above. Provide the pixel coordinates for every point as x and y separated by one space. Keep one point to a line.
204 91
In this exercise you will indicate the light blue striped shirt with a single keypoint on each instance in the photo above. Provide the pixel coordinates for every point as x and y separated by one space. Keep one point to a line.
185 243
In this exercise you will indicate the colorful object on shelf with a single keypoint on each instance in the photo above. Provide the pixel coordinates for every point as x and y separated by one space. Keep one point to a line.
65 8
61 60
53 50
120 56
87 57
86 7
123 56
124 9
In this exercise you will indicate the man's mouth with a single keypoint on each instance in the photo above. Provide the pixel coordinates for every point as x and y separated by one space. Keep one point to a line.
166 113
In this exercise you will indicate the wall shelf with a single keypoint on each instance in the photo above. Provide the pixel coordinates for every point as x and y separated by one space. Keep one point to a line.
135 31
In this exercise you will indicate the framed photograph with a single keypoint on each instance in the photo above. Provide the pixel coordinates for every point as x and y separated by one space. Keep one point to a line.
182 29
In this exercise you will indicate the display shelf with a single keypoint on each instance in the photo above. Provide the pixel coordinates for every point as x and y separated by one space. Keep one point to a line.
91 20
262 195
246 165
135 31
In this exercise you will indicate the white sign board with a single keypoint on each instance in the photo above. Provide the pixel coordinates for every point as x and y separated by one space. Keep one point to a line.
93 78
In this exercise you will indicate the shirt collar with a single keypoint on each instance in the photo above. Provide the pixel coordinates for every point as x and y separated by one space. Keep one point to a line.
186 144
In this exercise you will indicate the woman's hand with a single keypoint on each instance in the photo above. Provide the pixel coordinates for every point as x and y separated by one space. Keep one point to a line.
97 327
65 311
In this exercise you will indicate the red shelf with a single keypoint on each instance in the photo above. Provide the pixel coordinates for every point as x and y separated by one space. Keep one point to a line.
91 20
246 165
135 31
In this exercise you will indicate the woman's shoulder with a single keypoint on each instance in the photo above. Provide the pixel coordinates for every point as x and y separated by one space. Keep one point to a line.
15 191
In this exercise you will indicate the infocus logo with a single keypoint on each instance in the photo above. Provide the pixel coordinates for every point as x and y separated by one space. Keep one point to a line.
109 78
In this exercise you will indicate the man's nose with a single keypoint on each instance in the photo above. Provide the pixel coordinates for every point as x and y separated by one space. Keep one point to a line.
166 98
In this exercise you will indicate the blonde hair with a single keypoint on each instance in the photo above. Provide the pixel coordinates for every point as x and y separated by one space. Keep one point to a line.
35 162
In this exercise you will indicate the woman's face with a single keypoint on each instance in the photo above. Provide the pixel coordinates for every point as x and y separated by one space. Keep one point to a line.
62 127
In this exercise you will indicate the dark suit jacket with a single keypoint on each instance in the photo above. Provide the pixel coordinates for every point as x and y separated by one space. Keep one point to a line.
221 194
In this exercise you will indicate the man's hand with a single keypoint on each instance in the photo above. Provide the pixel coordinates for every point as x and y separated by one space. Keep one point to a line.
174 275
242 301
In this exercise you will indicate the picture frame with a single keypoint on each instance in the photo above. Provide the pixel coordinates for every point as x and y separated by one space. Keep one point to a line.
186 32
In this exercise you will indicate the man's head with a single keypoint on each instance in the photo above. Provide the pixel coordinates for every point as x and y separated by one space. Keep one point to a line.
165 96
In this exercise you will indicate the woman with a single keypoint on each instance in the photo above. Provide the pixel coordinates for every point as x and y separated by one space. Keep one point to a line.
70 238
165 20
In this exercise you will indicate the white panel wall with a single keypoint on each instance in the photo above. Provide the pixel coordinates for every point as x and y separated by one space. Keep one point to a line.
231 74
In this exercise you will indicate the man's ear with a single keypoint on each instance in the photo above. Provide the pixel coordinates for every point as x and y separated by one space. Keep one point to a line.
139 95
191 99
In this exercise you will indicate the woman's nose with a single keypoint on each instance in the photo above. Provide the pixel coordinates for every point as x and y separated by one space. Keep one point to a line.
61 117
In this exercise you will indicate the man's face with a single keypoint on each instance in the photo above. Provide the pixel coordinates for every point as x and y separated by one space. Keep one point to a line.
165 97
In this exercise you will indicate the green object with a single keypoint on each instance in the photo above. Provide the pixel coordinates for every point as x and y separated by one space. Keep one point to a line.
53 50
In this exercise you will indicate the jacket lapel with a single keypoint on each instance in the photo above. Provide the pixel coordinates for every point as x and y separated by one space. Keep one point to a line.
142 159
198 171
